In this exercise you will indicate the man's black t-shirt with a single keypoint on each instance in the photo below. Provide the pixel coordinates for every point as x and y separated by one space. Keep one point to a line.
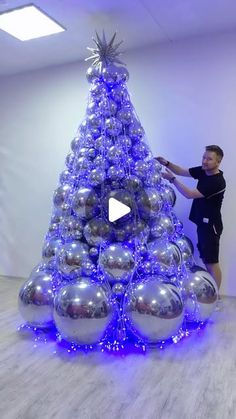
207 209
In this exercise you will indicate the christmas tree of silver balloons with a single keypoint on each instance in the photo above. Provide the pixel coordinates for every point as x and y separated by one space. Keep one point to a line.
134 276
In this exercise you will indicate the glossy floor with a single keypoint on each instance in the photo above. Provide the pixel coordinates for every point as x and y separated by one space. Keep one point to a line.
191 380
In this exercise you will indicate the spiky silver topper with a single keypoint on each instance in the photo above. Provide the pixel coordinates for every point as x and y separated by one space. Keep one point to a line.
106 52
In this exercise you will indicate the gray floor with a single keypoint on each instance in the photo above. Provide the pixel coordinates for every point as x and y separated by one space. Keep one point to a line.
194 379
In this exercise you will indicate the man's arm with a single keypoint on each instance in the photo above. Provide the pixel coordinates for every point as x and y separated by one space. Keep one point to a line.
183 189
187 192
177 170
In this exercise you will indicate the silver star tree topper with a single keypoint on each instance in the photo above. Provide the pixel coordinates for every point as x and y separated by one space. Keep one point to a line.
106 52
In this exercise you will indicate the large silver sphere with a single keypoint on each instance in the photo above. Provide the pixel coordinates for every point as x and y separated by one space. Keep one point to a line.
82 312
154 166
154 309
187 249
98 91
140 150
117 262
125 143
93 74
50 249
72 258
119 94
82 165
125 115
94 121
124 232
85 203
132 229
165 256
132 183
107 107
115 172
96 176
113 126
97 231
123 74
153 179
110 74
71 228
178 225
168 196
100 163
202 295
103 143
61 195
67 178
115 154
149 203
36 299
162 226
136 131
76 144
141 169
91 109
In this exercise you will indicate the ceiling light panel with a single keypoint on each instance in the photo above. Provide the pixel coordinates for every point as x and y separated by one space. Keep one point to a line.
28 23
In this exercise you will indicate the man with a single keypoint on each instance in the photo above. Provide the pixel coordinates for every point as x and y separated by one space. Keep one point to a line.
206 207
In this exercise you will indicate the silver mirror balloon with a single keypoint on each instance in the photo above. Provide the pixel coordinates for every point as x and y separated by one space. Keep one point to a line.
72 258
149 203
97 231
85 203
154 309
36 299
165 256
201 295
168 196
83 311
71 228
51 248
162 226
117 263
187 249
61 195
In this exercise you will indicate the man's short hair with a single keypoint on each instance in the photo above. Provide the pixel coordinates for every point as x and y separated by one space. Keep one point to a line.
219 152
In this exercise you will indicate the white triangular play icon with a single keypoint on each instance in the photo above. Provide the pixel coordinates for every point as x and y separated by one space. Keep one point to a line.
116 209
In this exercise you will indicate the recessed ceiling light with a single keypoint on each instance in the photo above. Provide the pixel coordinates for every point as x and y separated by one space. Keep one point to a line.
28 23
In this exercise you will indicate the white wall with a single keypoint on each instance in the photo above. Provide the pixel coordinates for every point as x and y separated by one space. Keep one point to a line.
40 112
184 94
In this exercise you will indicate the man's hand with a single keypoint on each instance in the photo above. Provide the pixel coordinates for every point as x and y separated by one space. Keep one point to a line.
168 175
162 160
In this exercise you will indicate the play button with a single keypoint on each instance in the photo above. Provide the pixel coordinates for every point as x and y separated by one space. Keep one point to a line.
127 208
117 210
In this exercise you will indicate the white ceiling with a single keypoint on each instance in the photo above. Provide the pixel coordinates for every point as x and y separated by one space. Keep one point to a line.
137 22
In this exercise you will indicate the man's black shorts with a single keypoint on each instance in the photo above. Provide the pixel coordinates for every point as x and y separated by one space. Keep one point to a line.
208 243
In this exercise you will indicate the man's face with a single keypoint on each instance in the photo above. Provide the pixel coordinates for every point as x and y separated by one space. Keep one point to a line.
210 160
